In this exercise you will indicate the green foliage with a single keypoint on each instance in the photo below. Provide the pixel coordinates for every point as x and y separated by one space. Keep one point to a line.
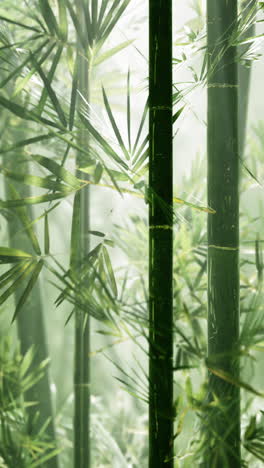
17 446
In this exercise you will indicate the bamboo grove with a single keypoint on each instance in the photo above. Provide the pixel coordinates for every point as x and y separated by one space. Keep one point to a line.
186 305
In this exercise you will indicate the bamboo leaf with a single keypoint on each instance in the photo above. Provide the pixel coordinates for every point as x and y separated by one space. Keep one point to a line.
35 181
23 113
110 271
73 95
50 91
98 173
50 77
49 17
114 126
22 65
46 235
33 200
128 111
27 270
141 125
57 170
237 382
177 114
28 289
9 255
21 83
26 221
100 58
17 23
63 21
97 233
12 273
75 230
103 143
77 25
26 142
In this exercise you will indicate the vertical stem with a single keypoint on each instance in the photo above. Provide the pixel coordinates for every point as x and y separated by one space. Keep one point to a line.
244 74
82 323
223 233
160 236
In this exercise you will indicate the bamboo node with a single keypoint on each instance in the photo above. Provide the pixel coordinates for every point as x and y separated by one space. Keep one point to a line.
162 226
221 247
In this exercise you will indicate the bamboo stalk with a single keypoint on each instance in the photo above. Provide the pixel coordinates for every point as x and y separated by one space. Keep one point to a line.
160 236
244 74
82 321
223 234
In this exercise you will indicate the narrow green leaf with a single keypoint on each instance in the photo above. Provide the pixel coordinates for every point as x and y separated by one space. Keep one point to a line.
23 64
49 17
238 383
94 18
50 76
29 288
35 181
17 283
17 23
77 25
50 91
26 221
141 125
21 83
88 23
63 21
33 200
11 274
97 233
114 21
46 235
26 142
141 148
128 111
102 10
114 126
98 173
75 230
110 271
73 95
23 113
9 255
57 170
100 58
103 143
177 114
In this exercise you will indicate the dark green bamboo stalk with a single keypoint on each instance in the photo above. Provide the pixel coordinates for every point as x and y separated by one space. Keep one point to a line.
82 322
160 236
30 324
223 235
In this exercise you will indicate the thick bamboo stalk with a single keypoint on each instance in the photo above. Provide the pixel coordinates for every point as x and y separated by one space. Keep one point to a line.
82 322
160 236
223 234
31 326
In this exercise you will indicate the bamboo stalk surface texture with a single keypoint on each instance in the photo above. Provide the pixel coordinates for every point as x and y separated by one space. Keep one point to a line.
160 236
223 234
82 450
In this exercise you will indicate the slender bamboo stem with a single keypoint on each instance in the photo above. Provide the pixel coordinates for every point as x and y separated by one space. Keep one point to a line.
31 326
160 236
82 322
244 74
223 234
